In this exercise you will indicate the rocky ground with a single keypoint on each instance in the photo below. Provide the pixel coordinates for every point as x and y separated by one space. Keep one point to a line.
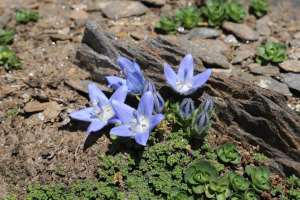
40 139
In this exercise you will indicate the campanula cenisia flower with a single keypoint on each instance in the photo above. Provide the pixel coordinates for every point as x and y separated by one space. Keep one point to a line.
185 82
202 121
134 78
137 123
207 105
101 111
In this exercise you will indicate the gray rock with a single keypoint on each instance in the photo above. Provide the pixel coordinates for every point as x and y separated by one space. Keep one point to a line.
209 56
262 26
120 9
271 84
205 33
4 18
290 65
292 80
230 39
239 73
154 2
294 43
265 70
215 45
241 56
242 31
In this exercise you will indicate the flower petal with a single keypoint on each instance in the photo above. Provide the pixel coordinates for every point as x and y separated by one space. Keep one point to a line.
120 94
146 105
155 120
186 68
135 82
200 79
142 138
171 76
114 120
123 111
96 125
136 66
126 65
85 114
115 81
96 95
122 131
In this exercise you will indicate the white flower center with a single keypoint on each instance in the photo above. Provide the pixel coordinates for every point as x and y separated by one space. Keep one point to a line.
105 113
140 127
183 86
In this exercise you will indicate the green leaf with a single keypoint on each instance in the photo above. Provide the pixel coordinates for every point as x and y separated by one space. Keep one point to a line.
236 11
228 153
6 36
168 25
259 7
189 16
24 15
215 12
271 51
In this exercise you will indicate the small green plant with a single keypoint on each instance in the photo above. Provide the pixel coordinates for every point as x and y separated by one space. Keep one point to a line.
215 12
259 178
168 25
251 195
238 182
199 174
8 58
271 52
6 36
189 16
26 15
293 186
9 197
260 157
259 7
229 153
278 189
236 11
218 189
12 112
177 194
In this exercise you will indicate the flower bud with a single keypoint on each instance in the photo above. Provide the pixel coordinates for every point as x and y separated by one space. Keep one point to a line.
158 102
201 121
148 86
187 108
207 105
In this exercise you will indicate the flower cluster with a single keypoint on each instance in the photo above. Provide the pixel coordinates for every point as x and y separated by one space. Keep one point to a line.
138 123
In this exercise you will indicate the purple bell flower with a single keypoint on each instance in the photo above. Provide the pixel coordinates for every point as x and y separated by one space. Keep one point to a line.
185 82
187 108
136 123
101 112
134 78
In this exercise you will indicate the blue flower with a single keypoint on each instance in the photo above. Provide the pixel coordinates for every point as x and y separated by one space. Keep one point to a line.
136 123
102 112
134 78
187 108
184 82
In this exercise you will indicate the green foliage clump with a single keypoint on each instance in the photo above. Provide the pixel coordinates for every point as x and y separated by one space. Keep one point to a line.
259 178
168 25
8 58
259 7
177 194
215 12
238 182
271 52
251 195
293 186
228 153
199 174
26 15
236 11
12 112
10 197
189 16
218 189
6 36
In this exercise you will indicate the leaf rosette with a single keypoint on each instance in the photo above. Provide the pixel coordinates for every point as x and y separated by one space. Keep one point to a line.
199 174
215 12
238 182
168 25
259 178
274 52
250 195
236 11
259 7
228 153
177 194
218 189
189 16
